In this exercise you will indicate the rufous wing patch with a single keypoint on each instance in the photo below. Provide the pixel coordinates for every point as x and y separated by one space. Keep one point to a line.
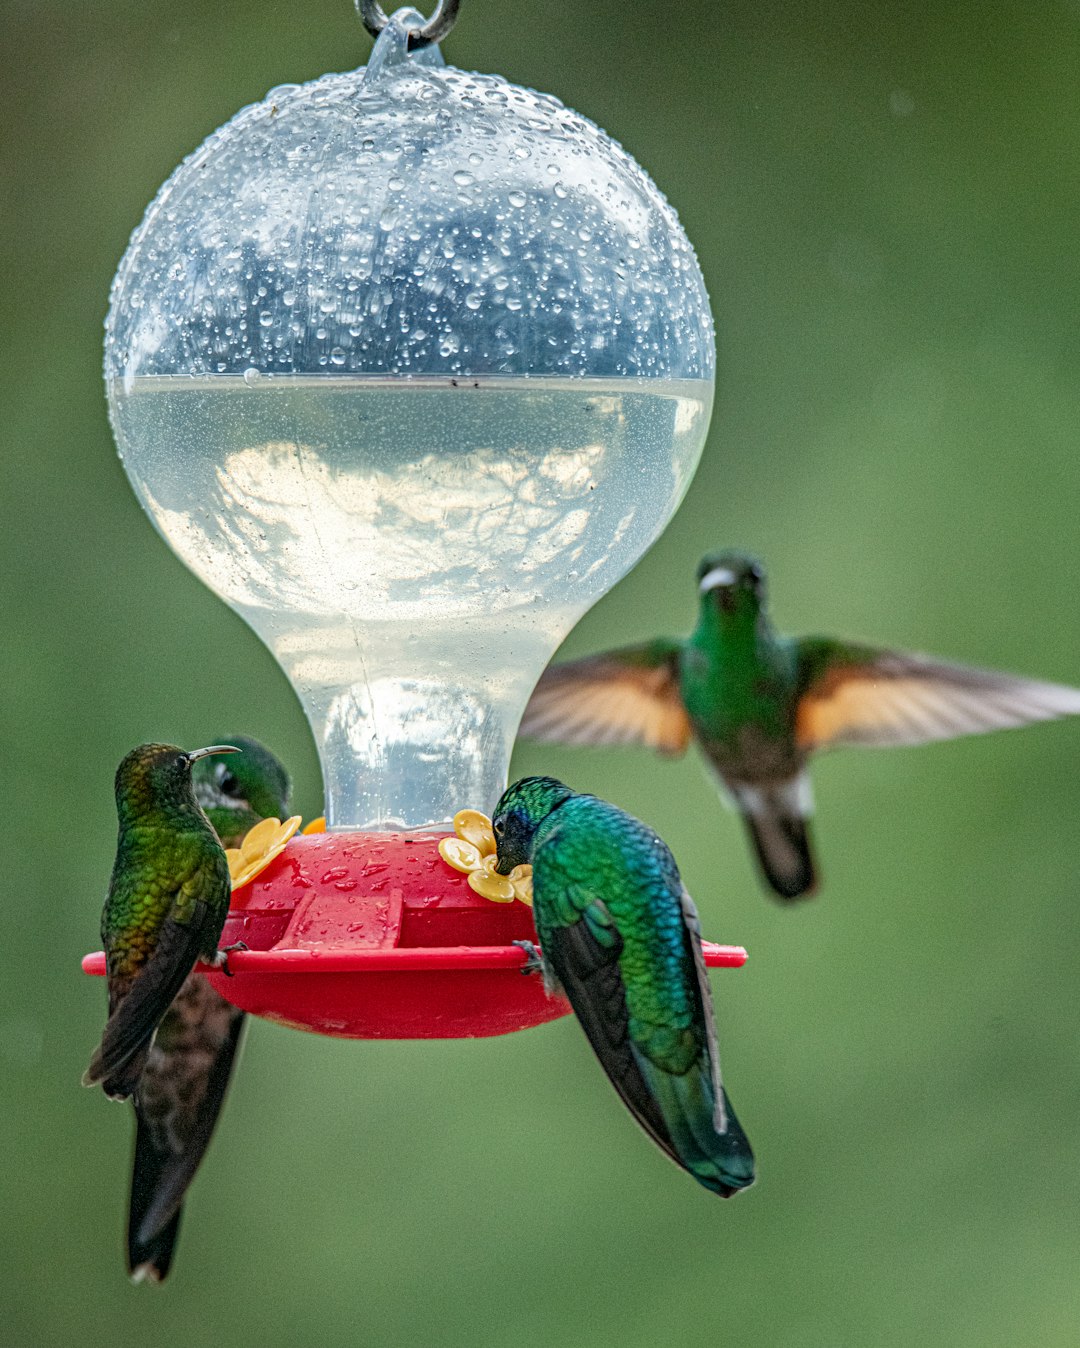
605 700
898 699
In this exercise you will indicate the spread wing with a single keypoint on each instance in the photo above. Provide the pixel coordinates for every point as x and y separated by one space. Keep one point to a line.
861 695
627 696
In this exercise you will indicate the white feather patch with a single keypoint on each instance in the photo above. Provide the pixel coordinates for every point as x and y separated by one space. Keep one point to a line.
714 579
791 798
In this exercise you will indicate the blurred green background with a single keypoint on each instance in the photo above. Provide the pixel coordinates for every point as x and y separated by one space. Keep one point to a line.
884 200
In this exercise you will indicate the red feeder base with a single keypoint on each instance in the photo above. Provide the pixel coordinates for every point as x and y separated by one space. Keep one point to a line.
374 936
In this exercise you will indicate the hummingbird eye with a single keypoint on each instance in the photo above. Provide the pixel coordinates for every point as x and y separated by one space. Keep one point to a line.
756 574
226 780
498 828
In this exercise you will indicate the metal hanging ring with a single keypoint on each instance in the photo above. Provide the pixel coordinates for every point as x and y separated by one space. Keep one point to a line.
436 28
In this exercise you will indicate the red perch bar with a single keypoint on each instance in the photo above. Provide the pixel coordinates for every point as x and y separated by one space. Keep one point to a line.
375 936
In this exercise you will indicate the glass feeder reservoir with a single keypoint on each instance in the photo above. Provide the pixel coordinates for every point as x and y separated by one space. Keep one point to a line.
409 365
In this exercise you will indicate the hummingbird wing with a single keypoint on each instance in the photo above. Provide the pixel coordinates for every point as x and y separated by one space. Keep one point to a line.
180 1095
850 694
692 924
626 696
664 1067
588 970
118 1060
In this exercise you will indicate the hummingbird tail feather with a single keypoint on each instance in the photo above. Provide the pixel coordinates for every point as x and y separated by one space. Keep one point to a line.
723 1162
775 818
150 1261
177 1106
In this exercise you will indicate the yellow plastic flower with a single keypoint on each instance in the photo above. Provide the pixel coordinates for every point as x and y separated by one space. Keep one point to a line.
472 851
462 855
521 878
476 828
316 826
260 846
487 881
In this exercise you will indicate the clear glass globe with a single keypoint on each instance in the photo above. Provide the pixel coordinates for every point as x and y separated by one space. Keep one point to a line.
410 365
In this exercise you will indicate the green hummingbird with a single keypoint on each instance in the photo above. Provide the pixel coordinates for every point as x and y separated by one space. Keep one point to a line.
620 937
759 704
184 1082
167 903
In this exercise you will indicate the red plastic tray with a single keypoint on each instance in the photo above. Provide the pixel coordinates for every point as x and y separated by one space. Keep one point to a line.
374 936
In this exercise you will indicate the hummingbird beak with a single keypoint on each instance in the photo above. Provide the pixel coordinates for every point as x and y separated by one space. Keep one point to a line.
719 577
213 749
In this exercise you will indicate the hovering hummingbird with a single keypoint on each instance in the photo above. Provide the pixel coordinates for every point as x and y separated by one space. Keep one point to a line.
759 704
183 1084
167 903
620 937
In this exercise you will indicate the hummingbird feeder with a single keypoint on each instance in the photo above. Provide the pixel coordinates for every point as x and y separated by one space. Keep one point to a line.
409 365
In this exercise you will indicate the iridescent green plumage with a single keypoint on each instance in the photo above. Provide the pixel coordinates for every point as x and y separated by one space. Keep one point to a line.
187 1073
620 936
167 903
759 704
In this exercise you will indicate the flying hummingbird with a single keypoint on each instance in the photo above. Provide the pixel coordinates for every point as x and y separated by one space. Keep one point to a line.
620 937
183 1084
167 903
759 704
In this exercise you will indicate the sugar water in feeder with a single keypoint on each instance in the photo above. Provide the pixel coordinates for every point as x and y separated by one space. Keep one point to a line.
409 365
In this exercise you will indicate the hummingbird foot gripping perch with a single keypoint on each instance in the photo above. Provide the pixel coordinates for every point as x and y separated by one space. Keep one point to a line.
221 959
533 964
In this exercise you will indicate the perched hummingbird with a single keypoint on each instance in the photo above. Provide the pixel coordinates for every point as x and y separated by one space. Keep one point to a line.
620 937
167 903
759 704
183 1084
